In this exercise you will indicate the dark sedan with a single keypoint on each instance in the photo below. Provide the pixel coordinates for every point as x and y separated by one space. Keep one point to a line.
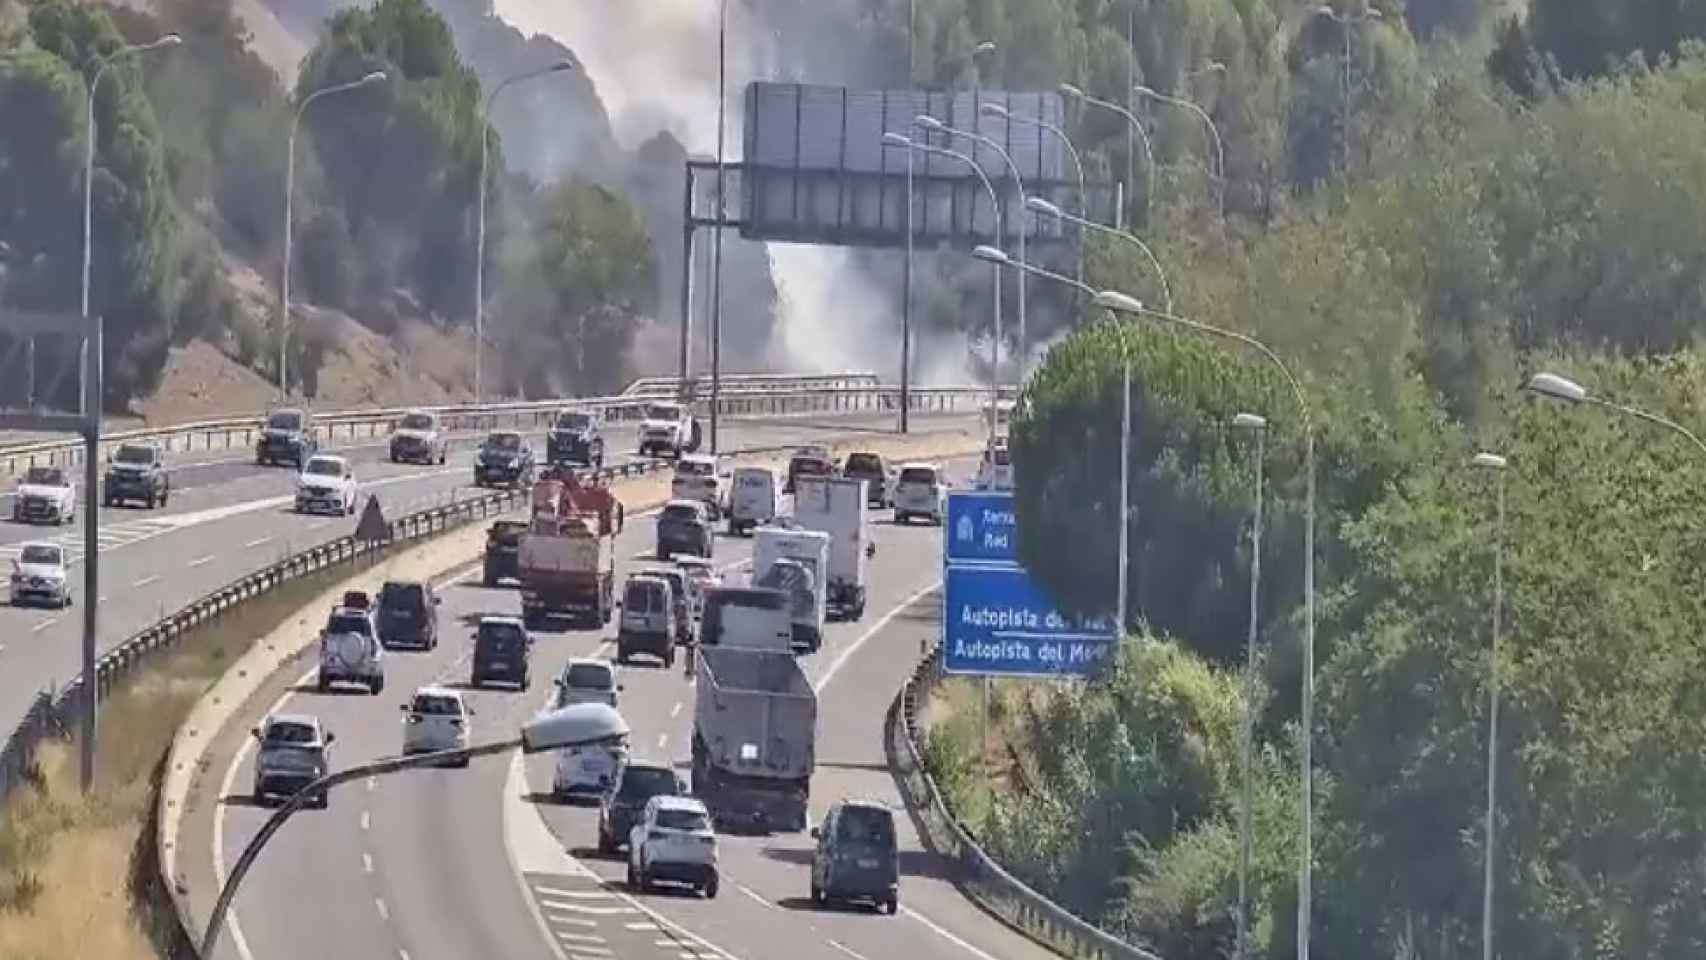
504 459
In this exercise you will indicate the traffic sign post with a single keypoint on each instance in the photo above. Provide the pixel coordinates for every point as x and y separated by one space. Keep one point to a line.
997 621
981 528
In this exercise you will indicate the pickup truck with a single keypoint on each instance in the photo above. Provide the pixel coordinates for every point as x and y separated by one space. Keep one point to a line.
668 429
419 438
575 439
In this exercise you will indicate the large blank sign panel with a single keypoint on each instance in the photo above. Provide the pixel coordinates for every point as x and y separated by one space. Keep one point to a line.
816 170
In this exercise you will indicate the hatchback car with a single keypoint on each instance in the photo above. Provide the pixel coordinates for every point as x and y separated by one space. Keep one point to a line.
38 576
436 720
673 842
295 751
587 681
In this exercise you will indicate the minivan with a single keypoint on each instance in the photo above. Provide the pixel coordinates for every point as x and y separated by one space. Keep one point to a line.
648 620
503 651
857 857
919 491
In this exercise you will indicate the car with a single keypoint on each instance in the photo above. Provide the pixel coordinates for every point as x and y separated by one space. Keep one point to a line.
575 438
673 842
680 598
588 770
408 614
920 490
503 652
685 527
419 439
326 485
696 478
857 856
587 680
808 462
38 576
878 477
504 459
701 576
995 470
350 651
647 624
137 471
636 784
502 560
434 720
295 750
45 495
288 437
668 428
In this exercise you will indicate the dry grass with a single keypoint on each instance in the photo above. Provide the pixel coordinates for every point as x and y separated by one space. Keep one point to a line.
78 875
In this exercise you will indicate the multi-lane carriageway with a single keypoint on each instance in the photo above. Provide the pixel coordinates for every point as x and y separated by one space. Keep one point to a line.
480 863
228 518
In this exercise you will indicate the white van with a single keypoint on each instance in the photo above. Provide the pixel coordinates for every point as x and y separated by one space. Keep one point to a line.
755 500
920 490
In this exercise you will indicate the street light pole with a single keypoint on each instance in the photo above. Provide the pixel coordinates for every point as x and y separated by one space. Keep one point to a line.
1559 388
997 110
480 242
1214 134
93 387
1047 209
906 281
1346 22
1494 462
717 237
376 76
1114 300
1068 90
1259 425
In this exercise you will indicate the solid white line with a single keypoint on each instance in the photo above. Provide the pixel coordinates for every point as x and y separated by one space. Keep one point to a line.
945 934
256 543
883 621
846 949
201 560
384 912
642 925
45 624
578 908
574 894
743 888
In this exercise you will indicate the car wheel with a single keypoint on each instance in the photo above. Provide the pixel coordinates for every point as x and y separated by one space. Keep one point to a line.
65 601
892 904
633 878
711 887
669 657
322 685
378 686
817 893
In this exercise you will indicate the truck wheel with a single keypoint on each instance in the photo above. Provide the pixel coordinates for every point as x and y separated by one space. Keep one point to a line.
817 893
488 579
322 684
669 656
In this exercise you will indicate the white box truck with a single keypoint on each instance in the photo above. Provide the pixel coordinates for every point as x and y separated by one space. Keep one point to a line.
839 506
795 561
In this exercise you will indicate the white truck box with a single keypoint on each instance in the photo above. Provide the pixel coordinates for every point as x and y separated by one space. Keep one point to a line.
756 498
839 507
810 549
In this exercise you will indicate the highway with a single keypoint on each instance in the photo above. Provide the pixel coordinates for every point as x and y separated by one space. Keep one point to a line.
228 517
455 864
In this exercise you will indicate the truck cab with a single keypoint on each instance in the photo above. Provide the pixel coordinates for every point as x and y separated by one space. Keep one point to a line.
668 428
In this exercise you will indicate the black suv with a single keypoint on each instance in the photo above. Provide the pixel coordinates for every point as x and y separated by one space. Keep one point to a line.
621 808
288 437
503 552
408 615
503 651
137 471
504 459
575 438
870 468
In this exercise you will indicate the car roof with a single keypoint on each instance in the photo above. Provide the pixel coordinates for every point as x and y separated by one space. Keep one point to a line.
305 719
588 662
500 619
695 504
919 465
689 804
340 458
41 543
353 611
866 803
434 690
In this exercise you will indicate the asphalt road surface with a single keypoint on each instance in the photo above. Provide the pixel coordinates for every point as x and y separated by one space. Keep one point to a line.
228 517
479 862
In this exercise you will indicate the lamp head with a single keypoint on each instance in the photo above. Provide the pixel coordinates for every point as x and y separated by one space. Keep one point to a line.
984 251
986 47
377 76
1068 90
1115 300
578 725
1250 421
993 110
928 122
897 140
1042 206
1490 461
1557 387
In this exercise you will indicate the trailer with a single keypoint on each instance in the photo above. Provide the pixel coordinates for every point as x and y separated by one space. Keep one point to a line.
754 737
839 507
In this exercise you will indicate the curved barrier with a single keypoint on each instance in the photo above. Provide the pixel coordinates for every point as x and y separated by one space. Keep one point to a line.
977 874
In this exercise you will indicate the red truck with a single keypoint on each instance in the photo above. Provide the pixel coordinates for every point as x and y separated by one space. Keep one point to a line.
567 560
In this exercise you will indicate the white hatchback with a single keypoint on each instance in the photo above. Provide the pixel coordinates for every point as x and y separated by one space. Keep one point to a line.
435 720
673 842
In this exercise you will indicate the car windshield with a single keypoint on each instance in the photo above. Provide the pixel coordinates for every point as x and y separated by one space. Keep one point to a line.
436 705
40 553
573 421
811 466
752 479
349 623
502 636
134 453
662 411
865 825
405 596
918 475
418 421
683 820
695 468
504 442
681 513
285 420
643 783
45 477
286 733
644 596
864 464
324 467
588 676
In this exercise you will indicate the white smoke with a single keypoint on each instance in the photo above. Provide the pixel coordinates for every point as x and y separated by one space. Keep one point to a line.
654 63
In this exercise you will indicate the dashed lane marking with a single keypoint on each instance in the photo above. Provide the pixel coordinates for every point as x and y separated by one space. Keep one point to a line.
199 561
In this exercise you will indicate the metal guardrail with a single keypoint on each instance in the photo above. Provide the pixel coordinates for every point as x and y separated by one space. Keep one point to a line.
214 436
660 387
975 872
53 714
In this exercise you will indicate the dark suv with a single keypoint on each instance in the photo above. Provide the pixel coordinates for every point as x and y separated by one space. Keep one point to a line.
575 438
621 807
504 459
408 615
137 471
503 652
870 468
503 552
288 437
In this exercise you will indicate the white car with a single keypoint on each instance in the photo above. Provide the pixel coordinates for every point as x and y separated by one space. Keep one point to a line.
327 485
39 575
419 439
587 681
995 472
701 575
436 719
667 428
673 842
588 771
45 495
696 478
920 490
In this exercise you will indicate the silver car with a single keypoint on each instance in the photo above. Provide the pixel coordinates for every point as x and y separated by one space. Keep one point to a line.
294 752
38 575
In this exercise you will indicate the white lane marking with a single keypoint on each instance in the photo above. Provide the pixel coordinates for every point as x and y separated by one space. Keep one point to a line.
663 740
675 711
574 894
586 949
576 922
366 820
743 888
402 954
666 943
644 925
201 560
384 911
844 948
367 863
257 543
945 934
50 621
883 621
372 783
580 937
145 581
582 908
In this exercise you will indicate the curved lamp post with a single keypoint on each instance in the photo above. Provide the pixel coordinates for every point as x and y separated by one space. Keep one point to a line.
583 724
1497 464
1553 386
1214 134
1114 300
377 76
997 110
1072 92
1047 209
480 243
1259 426
1346 22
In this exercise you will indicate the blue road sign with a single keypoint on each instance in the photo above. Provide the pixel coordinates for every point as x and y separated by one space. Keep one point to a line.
996 620
981 527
